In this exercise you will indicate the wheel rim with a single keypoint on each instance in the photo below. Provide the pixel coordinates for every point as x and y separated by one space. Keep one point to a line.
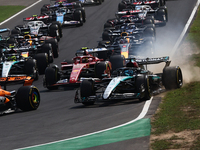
35 98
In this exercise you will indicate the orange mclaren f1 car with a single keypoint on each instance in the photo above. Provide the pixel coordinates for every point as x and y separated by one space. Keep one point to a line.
26 98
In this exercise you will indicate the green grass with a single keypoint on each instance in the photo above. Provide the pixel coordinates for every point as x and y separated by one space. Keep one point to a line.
194 32
180 108
8 11
179 111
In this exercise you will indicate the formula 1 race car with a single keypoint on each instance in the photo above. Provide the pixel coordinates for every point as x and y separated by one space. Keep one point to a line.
41 56
158 16
35 44
36 27
73 72
65 13
15 66
132 81
129 46
26 98
83 2
130 29
130 4
4 30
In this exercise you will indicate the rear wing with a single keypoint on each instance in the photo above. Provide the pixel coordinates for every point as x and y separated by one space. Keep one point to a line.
132 12
149 61
93 50
5 30
43 17
145 2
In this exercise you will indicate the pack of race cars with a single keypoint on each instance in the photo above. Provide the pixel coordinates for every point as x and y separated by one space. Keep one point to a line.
112 70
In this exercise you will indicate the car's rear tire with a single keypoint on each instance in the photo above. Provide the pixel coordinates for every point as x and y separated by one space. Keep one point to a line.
121 6
78 17
54 31
51 77
28 98
172 77
42 62
30 68
59 28
15 31
102 68
47 48
117 61
55 48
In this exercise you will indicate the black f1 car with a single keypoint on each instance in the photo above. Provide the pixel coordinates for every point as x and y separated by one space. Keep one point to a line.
34 26
145 13
130 4
65 13
83 2
132 81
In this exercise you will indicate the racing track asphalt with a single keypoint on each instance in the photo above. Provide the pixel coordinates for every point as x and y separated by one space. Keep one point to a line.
58 117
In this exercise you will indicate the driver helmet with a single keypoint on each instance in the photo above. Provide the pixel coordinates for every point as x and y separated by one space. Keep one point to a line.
12 55
128 20
128 72
12 58
29 42
85 60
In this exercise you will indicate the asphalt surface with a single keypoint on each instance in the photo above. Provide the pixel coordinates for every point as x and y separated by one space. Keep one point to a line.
58 117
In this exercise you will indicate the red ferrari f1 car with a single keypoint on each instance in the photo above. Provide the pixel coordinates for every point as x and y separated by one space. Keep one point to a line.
74 71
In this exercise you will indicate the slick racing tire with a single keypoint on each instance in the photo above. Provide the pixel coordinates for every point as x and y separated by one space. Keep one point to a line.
28 98
83 13
78 4
54 31
86 90
143 82
30 68
51 77
149 20
100 2
46 48
42 62
121 6
106 36
172 77
162 2
162 16
78 16
102 68
55 48
117 61
150 32
107 25
59 28
15 31
44 10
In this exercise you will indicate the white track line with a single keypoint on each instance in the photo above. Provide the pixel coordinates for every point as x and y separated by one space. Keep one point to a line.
20 12
185 29
142 114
